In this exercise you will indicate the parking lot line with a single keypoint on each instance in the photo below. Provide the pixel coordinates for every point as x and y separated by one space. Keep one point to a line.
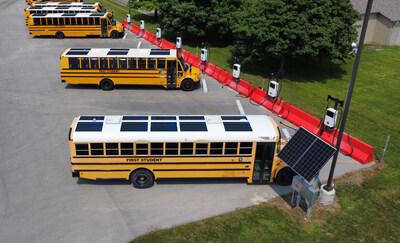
203 82
240 107
174 96
139 44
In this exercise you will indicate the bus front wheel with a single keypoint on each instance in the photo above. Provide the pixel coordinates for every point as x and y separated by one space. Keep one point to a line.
106 84
285 176
114 34
60 35
142 179
187 85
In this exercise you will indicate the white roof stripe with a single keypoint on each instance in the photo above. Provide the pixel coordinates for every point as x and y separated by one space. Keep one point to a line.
133 52
59 15
61 8
264 129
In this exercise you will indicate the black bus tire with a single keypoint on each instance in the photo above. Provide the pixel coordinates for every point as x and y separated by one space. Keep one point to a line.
285 176
142 178
114 34
187 84
60 35
106 84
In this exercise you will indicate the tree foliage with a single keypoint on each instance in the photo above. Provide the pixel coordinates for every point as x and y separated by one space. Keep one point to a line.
145 5
205 19
290 28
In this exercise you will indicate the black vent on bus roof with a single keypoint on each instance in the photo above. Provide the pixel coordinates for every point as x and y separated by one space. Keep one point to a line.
68 14
199 118
237 127
134 127
233 118
97 14
117 52
89 127
164 127
39 14
164 52
193 126
133 118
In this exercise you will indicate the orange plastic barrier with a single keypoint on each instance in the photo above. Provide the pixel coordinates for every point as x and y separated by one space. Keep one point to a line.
210 69
301 118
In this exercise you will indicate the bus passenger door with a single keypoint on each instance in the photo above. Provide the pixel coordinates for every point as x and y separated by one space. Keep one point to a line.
171 74
104 28
263 162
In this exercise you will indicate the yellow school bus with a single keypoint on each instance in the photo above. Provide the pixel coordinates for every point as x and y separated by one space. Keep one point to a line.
37 1
35 10
108 67
63 25
69 4
143 149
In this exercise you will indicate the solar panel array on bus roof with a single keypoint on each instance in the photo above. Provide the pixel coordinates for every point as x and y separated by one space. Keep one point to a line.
135 118
193 126
113 51
78 51
164 127
96 14
89 127
69 15
134 127
191 117
237 127
154 52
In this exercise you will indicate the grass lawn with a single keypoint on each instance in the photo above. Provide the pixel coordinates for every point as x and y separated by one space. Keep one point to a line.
369 211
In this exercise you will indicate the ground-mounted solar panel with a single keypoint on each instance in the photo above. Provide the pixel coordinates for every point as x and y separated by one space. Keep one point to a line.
237 127
161 52
163 118
306 154
90 118
233 118
115 52
69 14
134 118
89 127
191 118
193 126
134 127
164 127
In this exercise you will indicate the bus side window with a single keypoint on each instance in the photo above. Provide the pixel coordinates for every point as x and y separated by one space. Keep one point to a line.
141 63
216 148
96 149
246 148
201 148
79 21
91 21
180 67
85 63
113 63
161 63
97 21
74 63
73 21
112 149
67 21
122 63
94 63
151 63
61 21
231 148
85 21
171 149
103 63
142 149
36 21
157 148
49 22
132 63
126 148
186 148
82 149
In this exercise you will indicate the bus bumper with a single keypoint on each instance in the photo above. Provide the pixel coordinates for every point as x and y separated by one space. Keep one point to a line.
75 173
62 81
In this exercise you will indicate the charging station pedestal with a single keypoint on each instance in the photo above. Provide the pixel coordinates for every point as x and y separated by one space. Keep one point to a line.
141 28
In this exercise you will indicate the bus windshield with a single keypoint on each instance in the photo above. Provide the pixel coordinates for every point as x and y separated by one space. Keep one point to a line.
184 65
112 21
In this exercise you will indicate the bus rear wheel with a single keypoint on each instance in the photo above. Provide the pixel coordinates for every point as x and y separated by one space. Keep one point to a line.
114 34
60 35
142 179
285 176
106 84
187 85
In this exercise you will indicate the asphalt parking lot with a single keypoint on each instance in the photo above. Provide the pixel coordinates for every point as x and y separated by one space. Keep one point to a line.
41 202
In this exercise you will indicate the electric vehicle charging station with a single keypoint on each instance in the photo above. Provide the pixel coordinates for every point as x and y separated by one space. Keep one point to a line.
128 18
178 43
203 56
273 89
330 118
142 25
158 33
236 71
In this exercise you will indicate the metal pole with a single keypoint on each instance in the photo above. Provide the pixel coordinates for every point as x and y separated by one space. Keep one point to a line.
329 186
263 84
384 150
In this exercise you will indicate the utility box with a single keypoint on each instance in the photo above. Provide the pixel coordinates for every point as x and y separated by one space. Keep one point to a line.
304 189
273 89
203 56
236 71
178 42
142 24
330 117
158 33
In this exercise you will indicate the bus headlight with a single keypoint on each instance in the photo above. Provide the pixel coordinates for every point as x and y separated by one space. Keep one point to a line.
197 78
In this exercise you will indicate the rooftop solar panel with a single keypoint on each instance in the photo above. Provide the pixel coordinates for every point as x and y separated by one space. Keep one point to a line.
89 127
118 52
126 118
165 52
85 3
233 118
65 3
39 14
237 127
306 154
164 127
96 14
78 53
191 117
35 8
69 15
193 126
88 118
163 118
62 8
134 127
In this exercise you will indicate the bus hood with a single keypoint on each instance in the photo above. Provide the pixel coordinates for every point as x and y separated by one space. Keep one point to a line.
196 73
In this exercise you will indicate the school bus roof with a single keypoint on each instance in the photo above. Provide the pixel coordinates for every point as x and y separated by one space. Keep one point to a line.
65 4
111 52
62 8
174 128
62 15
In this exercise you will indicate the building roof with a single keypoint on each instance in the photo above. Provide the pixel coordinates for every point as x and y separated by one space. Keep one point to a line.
388 8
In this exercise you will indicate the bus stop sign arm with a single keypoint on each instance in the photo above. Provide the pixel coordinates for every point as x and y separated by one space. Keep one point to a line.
329 186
